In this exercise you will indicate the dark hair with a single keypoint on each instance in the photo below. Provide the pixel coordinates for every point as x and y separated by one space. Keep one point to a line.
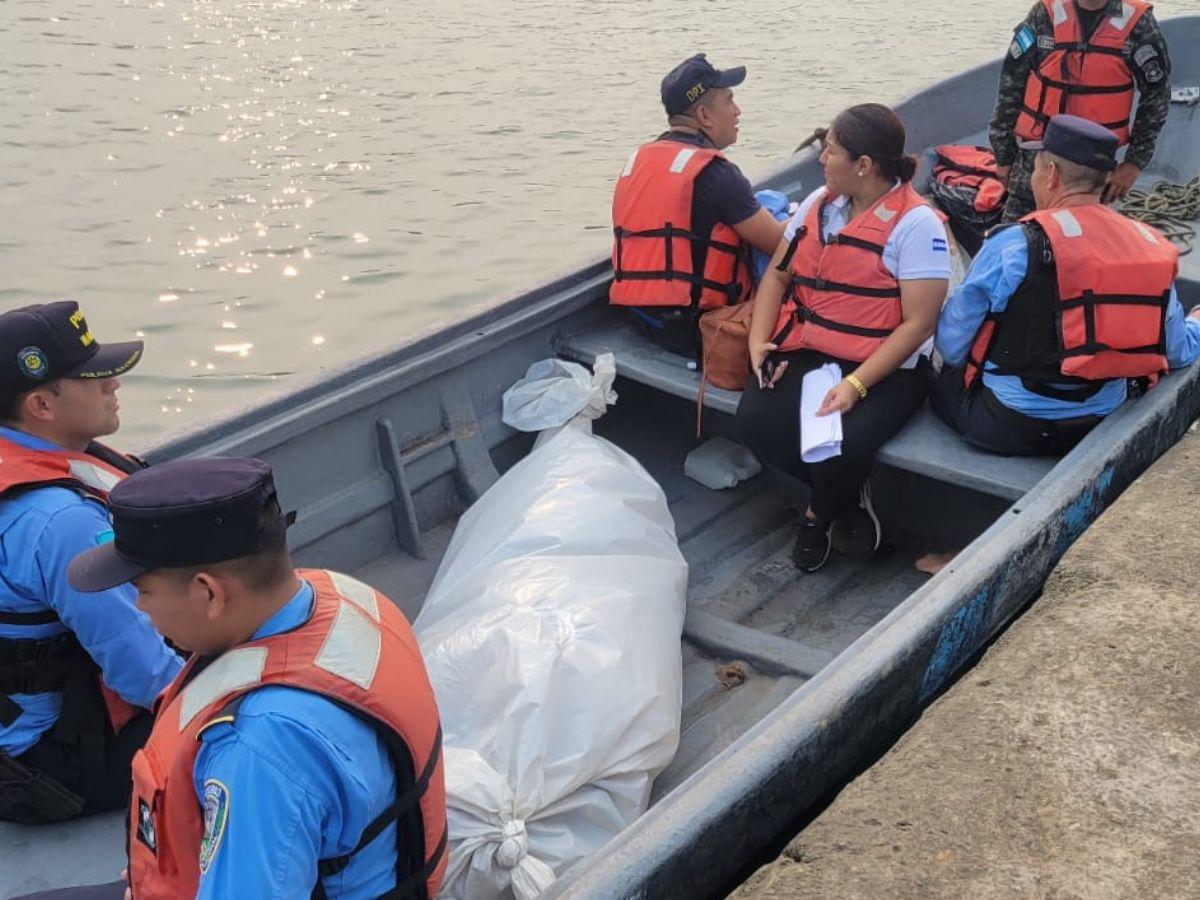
871 129
1076 175
10 408
10 404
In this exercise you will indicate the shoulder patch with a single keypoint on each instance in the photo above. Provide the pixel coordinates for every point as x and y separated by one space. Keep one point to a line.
940 245
216 814
1153 71
1144 54
104 537
1023 40
1045 42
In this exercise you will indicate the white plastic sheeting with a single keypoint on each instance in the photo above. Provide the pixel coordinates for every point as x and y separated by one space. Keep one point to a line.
552 637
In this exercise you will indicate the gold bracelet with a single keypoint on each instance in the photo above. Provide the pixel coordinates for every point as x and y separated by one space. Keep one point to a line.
857 385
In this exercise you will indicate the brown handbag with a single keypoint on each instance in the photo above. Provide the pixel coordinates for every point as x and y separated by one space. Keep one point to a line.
725 352
725 342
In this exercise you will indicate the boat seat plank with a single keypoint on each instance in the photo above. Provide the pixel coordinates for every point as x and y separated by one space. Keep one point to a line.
926 446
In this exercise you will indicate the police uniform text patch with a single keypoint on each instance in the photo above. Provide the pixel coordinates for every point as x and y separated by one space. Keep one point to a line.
216 814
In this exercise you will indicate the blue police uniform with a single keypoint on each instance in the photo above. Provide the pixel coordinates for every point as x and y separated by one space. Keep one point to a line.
41 530
995 275
292 780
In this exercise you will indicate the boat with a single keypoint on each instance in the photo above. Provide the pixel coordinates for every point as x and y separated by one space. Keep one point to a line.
792 683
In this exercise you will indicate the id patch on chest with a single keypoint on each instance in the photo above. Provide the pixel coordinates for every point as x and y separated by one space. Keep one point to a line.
216 814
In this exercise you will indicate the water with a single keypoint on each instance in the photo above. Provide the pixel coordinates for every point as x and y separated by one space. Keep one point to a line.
271 188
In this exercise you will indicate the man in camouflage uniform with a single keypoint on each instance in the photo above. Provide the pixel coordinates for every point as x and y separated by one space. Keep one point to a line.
1145 53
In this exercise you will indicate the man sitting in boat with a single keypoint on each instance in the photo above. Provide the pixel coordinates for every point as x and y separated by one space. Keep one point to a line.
1060 311
684 216
857 282
299 752
74 669
1084 58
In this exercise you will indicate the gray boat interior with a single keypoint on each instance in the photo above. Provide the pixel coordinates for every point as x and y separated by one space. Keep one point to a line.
381 458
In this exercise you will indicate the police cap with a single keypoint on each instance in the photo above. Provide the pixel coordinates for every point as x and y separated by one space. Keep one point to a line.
692 79
1079 140
52 340
187 512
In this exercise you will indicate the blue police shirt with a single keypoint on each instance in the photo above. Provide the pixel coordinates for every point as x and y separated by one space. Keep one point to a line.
41 531
995 275
294 779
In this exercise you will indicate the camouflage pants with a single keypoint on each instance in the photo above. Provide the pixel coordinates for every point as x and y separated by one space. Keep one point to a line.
1020 193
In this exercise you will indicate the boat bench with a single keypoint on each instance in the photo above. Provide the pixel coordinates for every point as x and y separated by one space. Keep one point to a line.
925 446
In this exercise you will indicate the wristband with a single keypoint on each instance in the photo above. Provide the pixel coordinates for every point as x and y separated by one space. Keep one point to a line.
853 381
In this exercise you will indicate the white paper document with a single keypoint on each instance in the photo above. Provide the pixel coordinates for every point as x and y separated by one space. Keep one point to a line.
820 436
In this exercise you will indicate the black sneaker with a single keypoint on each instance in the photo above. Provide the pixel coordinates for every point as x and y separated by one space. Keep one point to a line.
812 545
858 531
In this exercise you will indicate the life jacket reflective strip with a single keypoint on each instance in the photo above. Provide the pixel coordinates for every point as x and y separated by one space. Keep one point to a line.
843 300
653 237
358 650
1088 78
1111 288
973 168
93 474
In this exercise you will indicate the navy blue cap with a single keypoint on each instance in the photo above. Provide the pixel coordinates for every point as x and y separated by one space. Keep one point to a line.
52 340
692 79
187 512
1079 140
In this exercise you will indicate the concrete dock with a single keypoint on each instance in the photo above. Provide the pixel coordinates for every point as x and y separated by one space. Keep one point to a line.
1066 764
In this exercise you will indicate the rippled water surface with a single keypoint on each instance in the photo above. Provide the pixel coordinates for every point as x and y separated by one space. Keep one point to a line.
264 189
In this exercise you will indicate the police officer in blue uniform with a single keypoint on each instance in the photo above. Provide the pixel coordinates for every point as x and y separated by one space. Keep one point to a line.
1005 412
63 751
298 792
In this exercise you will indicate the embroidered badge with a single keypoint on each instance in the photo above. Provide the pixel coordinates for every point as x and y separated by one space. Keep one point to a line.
1045 42
1153 71
145 828
105 537
216 814
32 361
1144 54
940 246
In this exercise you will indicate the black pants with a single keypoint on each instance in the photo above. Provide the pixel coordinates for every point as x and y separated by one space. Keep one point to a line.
97 770
112 891
769 423
984 421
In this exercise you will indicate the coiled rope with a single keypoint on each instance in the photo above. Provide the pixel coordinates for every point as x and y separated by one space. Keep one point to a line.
1171 208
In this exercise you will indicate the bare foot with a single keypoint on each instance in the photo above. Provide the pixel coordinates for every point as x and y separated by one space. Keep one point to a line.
932 563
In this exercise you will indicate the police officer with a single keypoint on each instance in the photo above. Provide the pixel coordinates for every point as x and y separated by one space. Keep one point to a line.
299 752
1057 313
72 671
1082 57
684 216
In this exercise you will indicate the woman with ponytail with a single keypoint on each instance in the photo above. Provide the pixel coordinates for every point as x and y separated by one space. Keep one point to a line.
858 281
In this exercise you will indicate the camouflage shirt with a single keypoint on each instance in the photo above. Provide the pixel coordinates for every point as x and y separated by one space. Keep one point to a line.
1145 53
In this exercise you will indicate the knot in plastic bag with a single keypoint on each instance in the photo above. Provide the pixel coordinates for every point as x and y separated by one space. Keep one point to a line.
554 392
515 844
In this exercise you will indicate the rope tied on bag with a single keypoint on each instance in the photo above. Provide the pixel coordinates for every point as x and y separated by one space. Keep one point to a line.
515 844
1169 207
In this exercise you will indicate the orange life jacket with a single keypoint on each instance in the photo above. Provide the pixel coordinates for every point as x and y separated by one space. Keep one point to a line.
1092 307
653 237
357 649
973 168
1090 79
93 473
843 301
